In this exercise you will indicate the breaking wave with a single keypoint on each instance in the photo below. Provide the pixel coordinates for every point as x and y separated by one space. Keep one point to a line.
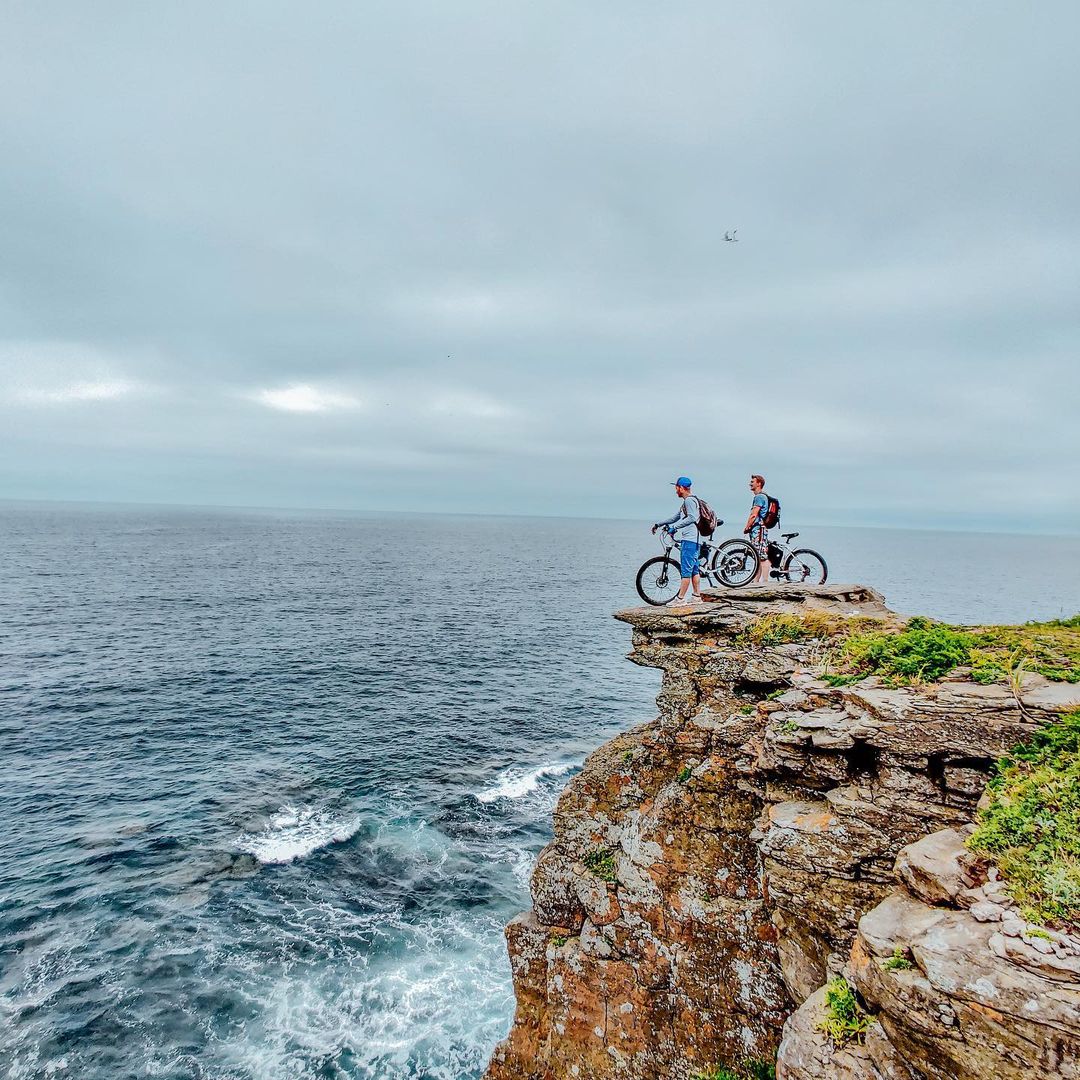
293 833
516 783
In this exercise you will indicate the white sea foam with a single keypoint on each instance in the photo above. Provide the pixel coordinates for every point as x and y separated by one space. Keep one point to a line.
433 1002
294 832
522 862
516 783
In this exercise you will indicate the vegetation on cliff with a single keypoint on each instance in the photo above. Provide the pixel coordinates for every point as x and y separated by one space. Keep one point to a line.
781 628
923 651
844 1019
601 863
1031 823
751 1069
898 961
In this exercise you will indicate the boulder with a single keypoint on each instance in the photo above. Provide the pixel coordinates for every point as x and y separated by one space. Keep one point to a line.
938 867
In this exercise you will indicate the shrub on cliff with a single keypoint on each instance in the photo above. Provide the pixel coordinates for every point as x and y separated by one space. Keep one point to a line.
922 652
1031 824
925 651
601 863
844 1020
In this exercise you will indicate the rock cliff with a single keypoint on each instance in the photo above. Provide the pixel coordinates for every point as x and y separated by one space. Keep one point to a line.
712 870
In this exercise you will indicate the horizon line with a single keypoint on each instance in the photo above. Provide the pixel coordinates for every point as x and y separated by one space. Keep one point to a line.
127 504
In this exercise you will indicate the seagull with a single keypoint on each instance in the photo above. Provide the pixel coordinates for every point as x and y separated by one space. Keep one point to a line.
730 237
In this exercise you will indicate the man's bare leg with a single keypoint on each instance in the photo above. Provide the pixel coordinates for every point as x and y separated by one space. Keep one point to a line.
763 567
696 579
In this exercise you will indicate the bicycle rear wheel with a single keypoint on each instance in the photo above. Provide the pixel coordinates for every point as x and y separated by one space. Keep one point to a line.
805 567
736 562
658 581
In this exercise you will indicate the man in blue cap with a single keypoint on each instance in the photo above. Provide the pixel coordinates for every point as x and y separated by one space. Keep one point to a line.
683 527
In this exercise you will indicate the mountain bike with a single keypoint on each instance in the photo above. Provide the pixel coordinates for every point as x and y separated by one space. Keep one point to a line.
659 578
740 566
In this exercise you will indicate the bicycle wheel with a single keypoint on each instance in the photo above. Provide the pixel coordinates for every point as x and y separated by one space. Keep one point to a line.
806 567
658 581
736 562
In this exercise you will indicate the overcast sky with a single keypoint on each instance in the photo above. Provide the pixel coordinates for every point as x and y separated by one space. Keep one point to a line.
469 256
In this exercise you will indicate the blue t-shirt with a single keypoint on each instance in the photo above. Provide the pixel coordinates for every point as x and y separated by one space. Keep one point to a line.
761 501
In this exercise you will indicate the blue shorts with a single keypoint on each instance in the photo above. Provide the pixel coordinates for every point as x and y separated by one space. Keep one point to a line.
688 558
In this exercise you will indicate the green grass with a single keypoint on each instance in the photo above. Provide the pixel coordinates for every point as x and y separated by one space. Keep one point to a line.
783 629
844 1020
898 961
789 727
1051 649
601 863
747 709
559 940
1031 826
923 650
628 756
750 1069
684 774
841 680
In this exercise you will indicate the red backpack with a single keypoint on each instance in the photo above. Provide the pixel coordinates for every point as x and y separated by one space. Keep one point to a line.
772 513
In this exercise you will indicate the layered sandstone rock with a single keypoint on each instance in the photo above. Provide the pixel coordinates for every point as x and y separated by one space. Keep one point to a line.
709 870
977 993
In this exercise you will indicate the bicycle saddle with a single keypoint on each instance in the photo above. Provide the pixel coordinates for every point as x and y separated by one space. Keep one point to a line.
789 536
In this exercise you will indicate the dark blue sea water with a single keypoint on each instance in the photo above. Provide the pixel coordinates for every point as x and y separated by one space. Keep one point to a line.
271 790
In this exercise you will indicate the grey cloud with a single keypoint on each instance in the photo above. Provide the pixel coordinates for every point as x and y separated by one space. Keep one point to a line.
485 240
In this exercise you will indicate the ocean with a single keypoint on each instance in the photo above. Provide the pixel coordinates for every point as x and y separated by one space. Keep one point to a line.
274 782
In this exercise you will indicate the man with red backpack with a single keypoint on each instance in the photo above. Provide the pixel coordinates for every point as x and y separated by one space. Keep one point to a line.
693 521
764 515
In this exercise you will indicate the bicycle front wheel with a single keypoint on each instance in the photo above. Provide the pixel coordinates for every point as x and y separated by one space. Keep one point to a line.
658 581
805 567
736 562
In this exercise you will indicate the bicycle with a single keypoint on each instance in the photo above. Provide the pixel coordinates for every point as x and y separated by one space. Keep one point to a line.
659 578
801 566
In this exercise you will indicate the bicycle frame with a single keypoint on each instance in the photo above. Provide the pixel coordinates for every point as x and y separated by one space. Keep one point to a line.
787 568
785 552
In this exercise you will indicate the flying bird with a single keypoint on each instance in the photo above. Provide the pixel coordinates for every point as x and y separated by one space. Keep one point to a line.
730 237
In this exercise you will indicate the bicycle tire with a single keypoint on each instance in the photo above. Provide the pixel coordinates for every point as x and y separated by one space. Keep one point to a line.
664 575
807 574
737 563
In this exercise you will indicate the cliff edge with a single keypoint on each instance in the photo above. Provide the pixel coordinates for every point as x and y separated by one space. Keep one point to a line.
779 835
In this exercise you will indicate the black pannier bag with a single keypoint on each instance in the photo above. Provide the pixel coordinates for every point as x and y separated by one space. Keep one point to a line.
775 553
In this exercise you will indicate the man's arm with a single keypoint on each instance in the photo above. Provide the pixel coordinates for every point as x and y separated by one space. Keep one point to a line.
755 512
683 517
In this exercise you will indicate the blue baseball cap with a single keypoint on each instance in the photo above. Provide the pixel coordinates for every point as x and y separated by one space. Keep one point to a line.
683 481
